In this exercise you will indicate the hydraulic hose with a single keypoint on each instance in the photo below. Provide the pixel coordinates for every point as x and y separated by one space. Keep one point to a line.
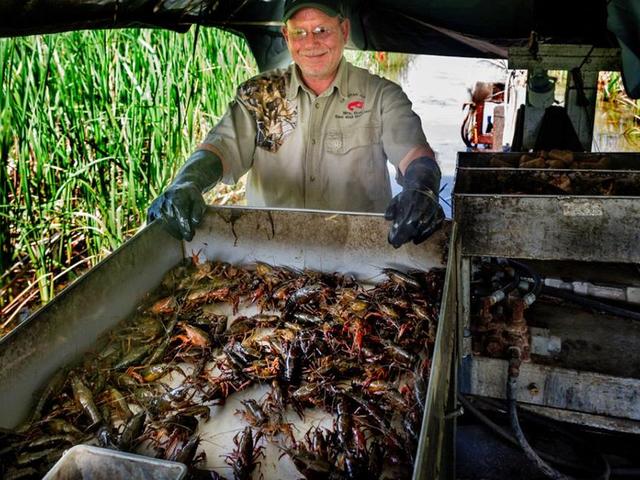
518 438
506 435
504 291
591 303
570 296
529 272
530 453
512 382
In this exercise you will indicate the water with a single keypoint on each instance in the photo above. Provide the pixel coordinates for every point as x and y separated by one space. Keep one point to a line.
438 87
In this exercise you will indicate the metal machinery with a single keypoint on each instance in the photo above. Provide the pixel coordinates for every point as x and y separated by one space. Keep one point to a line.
547 283
582 63
483 124
547 280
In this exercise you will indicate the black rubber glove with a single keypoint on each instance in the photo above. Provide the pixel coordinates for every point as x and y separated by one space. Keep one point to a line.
416 212
181 206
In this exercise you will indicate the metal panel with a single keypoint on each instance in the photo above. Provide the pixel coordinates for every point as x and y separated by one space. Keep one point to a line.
582 116
532 121
617 160
613 424
565 57
555 387
326 241
436 445
560 226
546 228
70 324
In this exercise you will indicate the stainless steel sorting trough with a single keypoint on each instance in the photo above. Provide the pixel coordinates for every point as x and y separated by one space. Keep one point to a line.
355 243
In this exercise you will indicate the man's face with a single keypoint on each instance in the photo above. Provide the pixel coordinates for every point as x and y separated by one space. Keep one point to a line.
317 53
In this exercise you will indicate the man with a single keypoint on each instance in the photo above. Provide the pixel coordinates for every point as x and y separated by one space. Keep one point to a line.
316 135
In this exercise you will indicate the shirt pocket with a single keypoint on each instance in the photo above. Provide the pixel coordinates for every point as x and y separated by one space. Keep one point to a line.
340 142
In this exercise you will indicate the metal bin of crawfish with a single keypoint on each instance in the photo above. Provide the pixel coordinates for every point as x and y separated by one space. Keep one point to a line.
549 205
277 343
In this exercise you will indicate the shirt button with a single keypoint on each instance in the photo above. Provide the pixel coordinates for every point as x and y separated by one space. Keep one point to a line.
312 178
317 105
313 141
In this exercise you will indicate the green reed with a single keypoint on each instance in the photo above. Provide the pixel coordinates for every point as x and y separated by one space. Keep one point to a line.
93 126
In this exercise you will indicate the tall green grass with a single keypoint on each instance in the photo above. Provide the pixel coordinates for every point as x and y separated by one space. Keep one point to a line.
617 115
93 126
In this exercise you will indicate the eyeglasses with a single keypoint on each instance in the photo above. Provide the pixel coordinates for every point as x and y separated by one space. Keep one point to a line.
319 33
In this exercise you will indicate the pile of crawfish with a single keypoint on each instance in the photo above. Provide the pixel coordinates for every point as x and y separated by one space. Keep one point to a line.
319 341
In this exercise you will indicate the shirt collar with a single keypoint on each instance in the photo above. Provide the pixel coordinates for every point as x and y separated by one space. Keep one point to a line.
341 81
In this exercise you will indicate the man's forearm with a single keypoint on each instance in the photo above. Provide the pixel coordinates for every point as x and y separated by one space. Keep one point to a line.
203 168
413 154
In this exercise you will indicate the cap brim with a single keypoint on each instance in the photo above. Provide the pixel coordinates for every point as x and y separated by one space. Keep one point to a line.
318 6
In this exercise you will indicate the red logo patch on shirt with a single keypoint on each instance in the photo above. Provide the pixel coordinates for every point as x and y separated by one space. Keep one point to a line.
357 104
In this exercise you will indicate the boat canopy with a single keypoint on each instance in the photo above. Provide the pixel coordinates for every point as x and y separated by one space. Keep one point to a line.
469 28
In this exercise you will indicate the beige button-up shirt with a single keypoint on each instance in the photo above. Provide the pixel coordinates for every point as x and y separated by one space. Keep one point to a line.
320 152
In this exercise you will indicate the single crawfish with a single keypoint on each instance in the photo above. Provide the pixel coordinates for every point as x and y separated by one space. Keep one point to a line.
238 357
253 413
144 329
263 369
152 373
344 422
161 347
318 441
164 306
301 296
308 394
84 397
134 355
276 400
187 453
241 326
61 426
132 430
119 401
311 465
421 380
47 456
193 336
399 355
244 458
206 294
292 364
401 279
312 458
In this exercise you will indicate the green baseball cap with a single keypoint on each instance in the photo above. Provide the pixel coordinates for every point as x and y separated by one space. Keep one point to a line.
330 7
